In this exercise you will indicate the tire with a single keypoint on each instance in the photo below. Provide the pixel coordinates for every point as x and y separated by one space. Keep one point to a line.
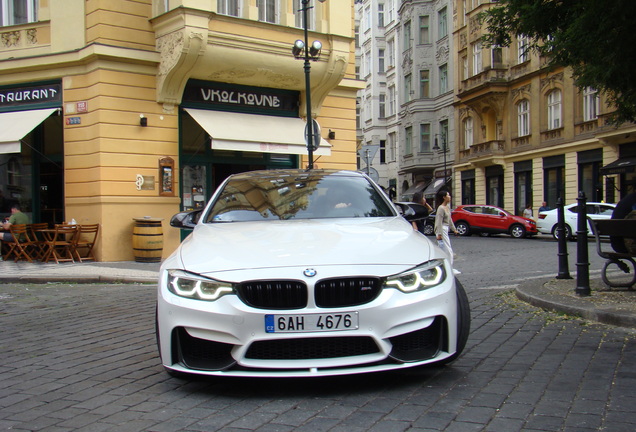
463 228
463 322
429 229
517 231
566 228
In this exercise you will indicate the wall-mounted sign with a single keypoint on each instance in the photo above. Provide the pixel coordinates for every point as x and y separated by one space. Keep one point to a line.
232 97
82 106
73 120
30 96
145 182
166 176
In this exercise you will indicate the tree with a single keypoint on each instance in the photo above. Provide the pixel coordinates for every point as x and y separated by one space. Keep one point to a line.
593 38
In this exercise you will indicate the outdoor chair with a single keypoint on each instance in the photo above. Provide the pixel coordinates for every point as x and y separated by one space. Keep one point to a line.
85 241
39 245
21 246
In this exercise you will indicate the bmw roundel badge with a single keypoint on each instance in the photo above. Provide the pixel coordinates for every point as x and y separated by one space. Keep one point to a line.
310 272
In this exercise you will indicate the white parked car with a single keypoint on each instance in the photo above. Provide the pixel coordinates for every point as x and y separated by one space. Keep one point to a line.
293 273
547 221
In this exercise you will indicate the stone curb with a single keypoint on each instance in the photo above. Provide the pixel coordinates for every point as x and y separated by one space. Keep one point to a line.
536 294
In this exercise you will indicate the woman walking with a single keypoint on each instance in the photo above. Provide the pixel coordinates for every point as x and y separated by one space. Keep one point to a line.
444 223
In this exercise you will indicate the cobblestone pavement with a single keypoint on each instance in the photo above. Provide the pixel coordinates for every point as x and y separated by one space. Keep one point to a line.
83 358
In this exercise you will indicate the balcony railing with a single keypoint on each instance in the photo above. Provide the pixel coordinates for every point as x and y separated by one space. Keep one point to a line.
487 76
488 148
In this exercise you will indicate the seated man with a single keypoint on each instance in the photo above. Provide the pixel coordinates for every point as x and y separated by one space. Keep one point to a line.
626 208
16 218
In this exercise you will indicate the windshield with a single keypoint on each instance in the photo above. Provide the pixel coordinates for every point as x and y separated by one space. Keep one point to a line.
270 196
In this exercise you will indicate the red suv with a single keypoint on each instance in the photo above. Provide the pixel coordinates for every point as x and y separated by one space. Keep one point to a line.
487 219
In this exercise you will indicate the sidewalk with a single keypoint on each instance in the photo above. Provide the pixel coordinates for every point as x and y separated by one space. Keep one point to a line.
615 307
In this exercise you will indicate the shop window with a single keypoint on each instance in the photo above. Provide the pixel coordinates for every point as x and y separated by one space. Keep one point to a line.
14 12
13 172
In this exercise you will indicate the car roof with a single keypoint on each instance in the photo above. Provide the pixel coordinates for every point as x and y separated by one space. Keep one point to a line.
304 173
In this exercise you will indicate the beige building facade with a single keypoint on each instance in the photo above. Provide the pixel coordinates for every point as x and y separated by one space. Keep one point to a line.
525 133
120 109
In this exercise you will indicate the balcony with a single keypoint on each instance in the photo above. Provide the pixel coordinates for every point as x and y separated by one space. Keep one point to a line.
25 40
488 76
482 150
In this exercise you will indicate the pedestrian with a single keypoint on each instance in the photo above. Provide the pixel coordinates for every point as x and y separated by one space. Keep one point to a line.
418 198
443 224
527 212
544 207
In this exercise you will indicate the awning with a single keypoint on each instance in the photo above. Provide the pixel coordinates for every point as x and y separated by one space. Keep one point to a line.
15 125
620 166
434 187
417 187
256 133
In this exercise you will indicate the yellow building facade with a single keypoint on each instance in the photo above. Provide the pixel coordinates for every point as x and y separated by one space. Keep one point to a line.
526 134
121 109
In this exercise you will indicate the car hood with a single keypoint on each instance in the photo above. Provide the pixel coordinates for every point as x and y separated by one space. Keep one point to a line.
225 247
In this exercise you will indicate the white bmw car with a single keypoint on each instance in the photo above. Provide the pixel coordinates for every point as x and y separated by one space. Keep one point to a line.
292 273
547 220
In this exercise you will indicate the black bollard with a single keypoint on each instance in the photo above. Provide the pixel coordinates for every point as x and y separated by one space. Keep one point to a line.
582 261
564 271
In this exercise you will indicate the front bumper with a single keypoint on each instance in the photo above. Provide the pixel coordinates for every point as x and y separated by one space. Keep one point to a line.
227 337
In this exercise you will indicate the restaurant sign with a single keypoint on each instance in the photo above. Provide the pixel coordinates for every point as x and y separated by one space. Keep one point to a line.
232 97
30 96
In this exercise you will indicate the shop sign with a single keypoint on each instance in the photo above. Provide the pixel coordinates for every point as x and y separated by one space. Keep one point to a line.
31 95
212 95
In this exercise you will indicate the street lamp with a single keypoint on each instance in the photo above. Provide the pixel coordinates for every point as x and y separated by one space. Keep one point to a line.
444 148
302 50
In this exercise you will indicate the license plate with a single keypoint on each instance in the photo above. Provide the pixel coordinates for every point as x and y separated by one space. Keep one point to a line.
311 322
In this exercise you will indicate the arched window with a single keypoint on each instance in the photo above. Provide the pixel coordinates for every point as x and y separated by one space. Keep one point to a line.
523 118
468 133
554 109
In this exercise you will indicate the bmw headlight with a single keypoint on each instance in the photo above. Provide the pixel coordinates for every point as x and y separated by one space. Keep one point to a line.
423 277
195 287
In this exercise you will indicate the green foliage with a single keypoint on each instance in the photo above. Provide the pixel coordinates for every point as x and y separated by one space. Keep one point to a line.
592 37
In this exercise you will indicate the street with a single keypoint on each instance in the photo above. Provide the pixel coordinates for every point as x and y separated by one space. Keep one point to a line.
83 358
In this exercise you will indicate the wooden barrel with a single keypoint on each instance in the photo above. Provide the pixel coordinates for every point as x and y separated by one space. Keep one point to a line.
147 240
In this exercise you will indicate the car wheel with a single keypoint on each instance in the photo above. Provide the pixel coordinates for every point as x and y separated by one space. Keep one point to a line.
463 322
566 229
517 231
429 229
462 228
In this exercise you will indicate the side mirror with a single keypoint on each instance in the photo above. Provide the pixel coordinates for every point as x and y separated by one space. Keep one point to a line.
187 219
411 211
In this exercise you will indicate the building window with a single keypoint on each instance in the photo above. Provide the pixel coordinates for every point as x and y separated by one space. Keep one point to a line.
381 61
442 18
496 55
407 35
522 48
407 88
382 105
424 30
381 15
425 138
382 152
443 131
392 147
267 11
408 145
443 79
390 12
477 63
14 12
298 16
590 104
367 63
464 68
424 84
554 109
390 47
231 7
464 13
468 133
391 100
523 118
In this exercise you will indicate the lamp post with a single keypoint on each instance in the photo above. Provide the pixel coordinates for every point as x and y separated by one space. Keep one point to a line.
302 50
436 147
